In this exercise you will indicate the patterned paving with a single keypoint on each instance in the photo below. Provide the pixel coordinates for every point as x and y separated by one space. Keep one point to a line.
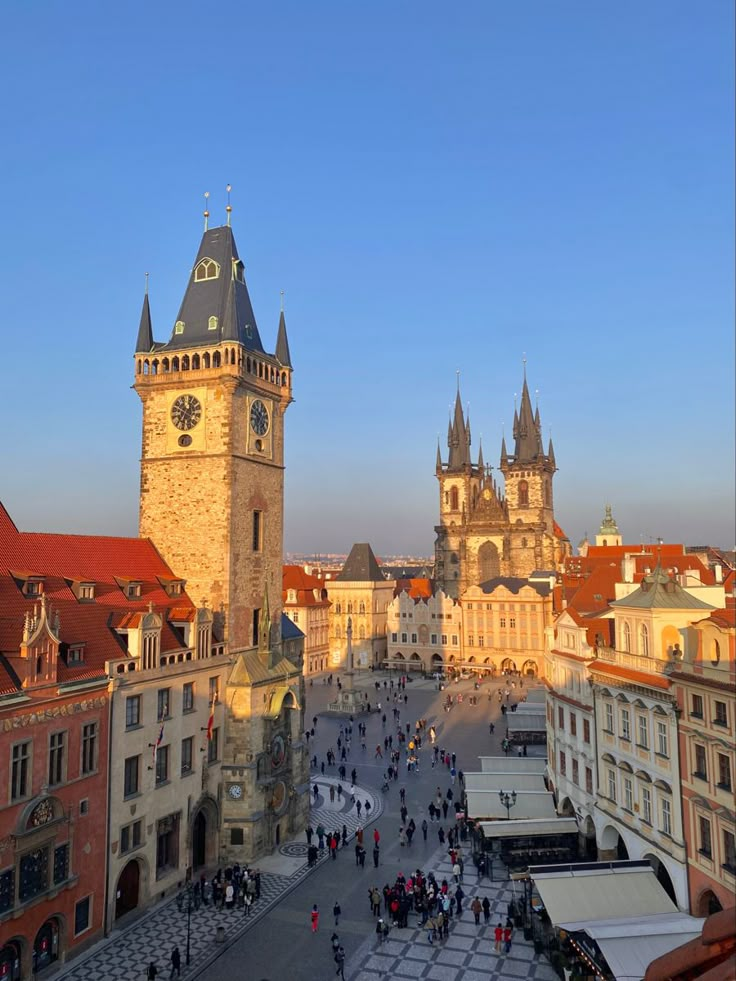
125 955
468 953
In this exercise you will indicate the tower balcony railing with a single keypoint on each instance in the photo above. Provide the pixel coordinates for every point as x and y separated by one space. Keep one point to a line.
637 662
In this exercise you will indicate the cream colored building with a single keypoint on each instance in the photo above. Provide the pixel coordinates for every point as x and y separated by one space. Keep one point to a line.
424 628
306 604
164 798
359 593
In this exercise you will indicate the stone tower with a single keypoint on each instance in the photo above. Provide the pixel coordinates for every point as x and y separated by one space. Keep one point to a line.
484 531
212 499
212 460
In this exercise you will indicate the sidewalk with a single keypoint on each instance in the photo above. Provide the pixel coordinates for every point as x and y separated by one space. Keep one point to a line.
126 953
467 955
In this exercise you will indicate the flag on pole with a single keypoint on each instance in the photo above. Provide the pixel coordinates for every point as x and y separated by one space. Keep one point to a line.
159 740
211 720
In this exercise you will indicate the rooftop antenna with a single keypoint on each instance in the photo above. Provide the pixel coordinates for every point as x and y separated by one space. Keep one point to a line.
282 301
457 372
523 361
147 275
228 209
206 212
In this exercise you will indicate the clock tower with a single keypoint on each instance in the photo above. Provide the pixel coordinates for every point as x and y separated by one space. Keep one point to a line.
211 500
212 461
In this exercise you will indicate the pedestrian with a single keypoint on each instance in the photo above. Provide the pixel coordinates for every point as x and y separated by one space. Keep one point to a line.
151 972
335 941
441 835
376 856
314 918
361 857
379 929
309 832
424 828
492 728
336 911
175 963
507 938
340 961
358 807
477 908
498 937
376 836
459 896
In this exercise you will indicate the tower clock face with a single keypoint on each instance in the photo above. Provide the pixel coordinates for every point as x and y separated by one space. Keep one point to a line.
186 412
259 418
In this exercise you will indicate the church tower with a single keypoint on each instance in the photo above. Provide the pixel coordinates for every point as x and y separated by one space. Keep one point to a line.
528 475
212 461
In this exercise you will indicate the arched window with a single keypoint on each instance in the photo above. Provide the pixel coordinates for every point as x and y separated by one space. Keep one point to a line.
174 364
338 632
206 359
338 607
361 609
489 563
361 632
216 359
206 269
350 608
195 362
212 323
454 499
627 638
523 494
644 640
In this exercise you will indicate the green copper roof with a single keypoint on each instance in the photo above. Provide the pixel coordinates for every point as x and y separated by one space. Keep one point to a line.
659 592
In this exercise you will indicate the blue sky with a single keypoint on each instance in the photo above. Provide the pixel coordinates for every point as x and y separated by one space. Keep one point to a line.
436 187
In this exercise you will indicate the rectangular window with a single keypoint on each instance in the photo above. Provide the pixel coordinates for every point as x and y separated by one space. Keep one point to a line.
81 915
663 743
666 816
20 783
646 805
61 864
471 641
609 717
573 724
701 765
560 717
563 763
395 638
214 689
628 794
57 746
503 623
643 732
167 844
626 725
187 697
89 747
7 890
131 836
164 704
512 623
588 780
257 531
724 772
404 638
721 715
433 639
586 731
706 847
444 638
454 640
481 641
162 765
213 751
611 784
696 706
34 874
256 626
575 771
132 711
132 776
186 755
413 638
729 851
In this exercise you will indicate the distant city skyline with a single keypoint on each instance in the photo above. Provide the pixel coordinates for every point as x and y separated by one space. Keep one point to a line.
455 191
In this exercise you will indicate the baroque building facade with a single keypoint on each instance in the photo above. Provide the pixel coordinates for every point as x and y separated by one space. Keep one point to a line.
211 498
486 531
360 594
307 605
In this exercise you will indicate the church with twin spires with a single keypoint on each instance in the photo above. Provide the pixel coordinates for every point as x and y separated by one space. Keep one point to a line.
486 531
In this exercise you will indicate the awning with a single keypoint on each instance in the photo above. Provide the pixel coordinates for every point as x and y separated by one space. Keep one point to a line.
630 944
528 828
513 764
529 804
508 780
576 895
526 723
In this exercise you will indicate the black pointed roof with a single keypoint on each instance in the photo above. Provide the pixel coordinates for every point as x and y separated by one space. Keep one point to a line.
283 355
224 297
361 566
458 438
527 431
144 344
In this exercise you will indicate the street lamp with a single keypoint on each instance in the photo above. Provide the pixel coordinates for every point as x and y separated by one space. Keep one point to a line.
507 800
187 900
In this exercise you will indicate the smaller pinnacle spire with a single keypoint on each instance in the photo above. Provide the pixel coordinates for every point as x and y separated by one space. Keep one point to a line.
283 354
438 465
206 211
228 209
480 455
144 342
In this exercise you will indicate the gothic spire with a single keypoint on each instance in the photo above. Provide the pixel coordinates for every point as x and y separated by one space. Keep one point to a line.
480 457
145 331
528 446
504 453
282 344
438 465
458 438
551 454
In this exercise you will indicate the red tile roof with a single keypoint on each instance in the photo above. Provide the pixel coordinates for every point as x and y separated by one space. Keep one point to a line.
296 578
65 559
417 589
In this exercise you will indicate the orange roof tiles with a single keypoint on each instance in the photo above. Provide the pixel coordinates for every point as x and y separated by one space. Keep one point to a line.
629 674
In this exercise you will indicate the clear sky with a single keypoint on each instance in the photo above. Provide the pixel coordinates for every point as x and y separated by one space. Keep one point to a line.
436 187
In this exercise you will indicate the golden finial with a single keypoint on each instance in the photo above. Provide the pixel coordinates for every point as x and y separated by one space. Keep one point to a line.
228 209
206 209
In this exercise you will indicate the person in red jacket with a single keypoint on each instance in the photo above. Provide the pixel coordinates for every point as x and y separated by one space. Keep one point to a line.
498 935
314 918
376 835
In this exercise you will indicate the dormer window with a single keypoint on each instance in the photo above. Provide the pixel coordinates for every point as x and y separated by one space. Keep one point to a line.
75 654
133 590
174 589
179 327
33 587
206 269
212 323
86 591
238 270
